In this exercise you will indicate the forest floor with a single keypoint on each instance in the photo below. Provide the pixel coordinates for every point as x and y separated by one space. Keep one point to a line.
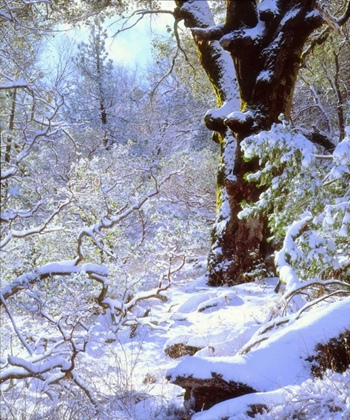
216 324
199 331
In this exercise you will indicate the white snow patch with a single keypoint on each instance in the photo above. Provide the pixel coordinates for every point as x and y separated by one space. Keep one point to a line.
268 5
255 32
265 75
240 116
287 347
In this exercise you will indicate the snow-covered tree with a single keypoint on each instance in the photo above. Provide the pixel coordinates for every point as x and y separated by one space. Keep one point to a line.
260 45
97 90
90 235
83 245
255 47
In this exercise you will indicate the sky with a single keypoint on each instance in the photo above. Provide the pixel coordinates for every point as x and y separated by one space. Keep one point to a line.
133 46
130 47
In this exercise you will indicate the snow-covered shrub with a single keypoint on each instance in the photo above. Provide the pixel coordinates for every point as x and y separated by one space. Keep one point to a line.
301 184
314 399
91 237
177 218
128 217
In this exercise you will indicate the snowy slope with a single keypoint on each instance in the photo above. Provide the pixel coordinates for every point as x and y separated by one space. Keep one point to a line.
220 322
128 370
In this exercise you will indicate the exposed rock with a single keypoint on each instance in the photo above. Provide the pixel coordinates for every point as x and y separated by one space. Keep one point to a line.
334 355
256 409
180 349
201 394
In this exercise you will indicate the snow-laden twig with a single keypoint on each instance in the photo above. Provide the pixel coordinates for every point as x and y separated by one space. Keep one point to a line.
85 387
8 174
288 275
61 268
19 335
14 84
25 369
109 221
11 214
327 286
50 130
266 331
122 310
13 233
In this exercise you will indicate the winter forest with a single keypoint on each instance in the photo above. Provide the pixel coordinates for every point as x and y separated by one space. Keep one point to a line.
175 236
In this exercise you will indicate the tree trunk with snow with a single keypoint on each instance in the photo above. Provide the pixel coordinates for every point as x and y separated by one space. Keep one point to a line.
252 62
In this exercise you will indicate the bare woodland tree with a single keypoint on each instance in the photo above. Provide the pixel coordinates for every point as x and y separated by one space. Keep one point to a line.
322 93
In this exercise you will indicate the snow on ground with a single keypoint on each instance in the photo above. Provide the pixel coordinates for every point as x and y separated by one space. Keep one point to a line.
129 369
277 362
220 321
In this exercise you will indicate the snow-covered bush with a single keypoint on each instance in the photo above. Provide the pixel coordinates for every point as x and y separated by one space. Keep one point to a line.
127 225
314 399
301 185
90 238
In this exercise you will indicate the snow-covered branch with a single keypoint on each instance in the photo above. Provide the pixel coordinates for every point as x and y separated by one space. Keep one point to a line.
61 268
109 221
122 310
287 273
22 368
40 135
19 335
42 228
55 364
329 290
8 174
14 84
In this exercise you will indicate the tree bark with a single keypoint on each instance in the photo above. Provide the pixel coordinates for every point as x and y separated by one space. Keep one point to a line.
265 45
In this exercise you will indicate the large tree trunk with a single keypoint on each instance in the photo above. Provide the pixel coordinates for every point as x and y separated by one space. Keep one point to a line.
264 42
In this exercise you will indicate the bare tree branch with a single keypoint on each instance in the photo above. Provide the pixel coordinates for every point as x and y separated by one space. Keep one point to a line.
346 16
109 221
